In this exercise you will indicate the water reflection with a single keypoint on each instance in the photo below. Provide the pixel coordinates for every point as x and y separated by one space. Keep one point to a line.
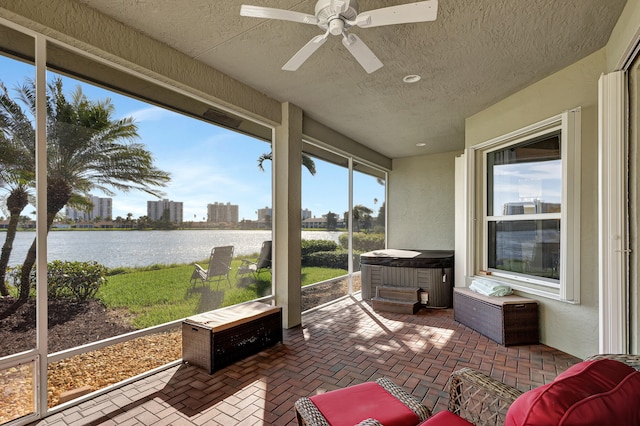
143 248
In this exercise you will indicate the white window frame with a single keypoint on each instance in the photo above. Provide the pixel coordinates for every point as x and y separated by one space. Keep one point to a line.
567 287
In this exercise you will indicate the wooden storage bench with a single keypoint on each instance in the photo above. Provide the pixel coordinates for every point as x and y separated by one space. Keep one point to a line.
216 339
509 320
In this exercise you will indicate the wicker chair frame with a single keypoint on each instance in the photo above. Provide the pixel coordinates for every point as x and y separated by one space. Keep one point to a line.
484 401
308 414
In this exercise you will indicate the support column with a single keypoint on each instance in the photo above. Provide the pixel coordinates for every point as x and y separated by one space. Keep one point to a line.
287 223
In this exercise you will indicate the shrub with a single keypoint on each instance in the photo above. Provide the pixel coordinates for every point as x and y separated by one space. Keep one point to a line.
13 278
313 246
332 259
76 280
328 259
363 242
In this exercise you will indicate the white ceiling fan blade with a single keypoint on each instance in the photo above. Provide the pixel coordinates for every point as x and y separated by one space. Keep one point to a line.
281 14
303 54
421 11
362 53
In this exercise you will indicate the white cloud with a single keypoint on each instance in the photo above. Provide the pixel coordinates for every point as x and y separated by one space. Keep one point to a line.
150 113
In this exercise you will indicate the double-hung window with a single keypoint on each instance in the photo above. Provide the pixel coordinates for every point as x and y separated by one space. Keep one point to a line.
530 207
524 188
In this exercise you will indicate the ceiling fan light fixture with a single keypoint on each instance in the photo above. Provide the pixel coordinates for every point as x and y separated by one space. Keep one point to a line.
411 78
336 26
336 17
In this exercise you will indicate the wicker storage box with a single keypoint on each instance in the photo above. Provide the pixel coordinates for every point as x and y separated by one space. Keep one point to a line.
216 339
509 320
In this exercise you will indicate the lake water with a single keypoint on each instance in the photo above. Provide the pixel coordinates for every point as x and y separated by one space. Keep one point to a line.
142 248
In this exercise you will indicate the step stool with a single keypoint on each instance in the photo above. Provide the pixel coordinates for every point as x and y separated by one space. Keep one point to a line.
403 300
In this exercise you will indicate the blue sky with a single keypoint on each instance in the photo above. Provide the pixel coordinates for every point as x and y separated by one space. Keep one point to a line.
209 164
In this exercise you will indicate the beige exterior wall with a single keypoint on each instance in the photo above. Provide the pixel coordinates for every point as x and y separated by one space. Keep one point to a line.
626 30
570 328
421 202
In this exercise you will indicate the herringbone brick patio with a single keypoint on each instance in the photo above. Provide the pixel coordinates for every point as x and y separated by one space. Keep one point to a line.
339 345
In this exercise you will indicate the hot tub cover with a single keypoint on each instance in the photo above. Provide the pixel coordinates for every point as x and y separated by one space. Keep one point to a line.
409 258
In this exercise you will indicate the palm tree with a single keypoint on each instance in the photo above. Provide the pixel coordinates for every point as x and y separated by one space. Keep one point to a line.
361 214
87 149
332 221
306 162
380 221
16 170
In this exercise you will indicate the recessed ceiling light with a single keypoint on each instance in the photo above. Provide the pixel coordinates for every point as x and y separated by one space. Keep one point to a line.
421 144
411 78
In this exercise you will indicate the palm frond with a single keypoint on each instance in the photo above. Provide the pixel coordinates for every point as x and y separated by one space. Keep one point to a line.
307 162
86 147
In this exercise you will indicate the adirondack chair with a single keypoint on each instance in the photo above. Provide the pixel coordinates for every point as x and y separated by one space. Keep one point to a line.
219 267
263 262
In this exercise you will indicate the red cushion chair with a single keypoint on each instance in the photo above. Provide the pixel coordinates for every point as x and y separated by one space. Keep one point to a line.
485 401
445 418
600 392
382 401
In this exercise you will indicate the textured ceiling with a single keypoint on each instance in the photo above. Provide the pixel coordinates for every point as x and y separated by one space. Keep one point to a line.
476 53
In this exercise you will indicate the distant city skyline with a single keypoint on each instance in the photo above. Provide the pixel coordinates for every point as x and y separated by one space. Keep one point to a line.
102 207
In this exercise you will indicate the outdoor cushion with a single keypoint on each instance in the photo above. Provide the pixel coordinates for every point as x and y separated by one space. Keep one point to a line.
445 418
350 406
597 392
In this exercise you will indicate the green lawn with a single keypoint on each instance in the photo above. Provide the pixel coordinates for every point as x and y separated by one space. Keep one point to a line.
159 294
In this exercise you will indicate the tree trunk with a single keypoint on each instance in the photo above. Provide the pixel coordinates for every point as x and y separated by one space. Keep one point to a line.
16 202
7 247
29 261
25 274
58 194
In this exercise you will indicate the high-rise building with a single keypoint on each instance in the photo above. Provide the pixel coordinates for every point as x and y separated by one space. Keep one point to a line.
222 213
264 214
165 209
267 212
102 208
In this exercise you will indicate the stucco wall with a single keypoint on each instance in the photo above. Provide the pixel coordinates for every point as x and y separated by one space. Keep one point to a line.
421 202
626 30
570 328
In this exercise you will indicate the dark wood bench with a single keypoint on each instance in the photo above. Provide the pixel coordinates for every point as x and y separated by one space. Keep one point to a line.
215 339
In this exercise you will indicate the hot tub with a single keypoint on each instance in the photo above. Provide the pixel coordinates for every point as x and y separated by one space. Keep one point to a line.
429 270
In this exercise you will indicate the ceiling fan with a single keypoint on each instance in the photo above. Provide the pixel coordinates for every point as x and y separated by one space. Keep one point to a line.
336 17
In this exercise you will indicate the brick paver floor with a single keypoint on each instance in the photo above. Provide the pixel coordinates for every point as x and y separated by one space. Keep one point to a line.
339 345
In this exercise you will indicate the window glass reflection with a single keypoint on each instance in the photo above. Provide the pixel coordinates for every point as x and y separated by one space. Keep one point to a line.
529 247
525 179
